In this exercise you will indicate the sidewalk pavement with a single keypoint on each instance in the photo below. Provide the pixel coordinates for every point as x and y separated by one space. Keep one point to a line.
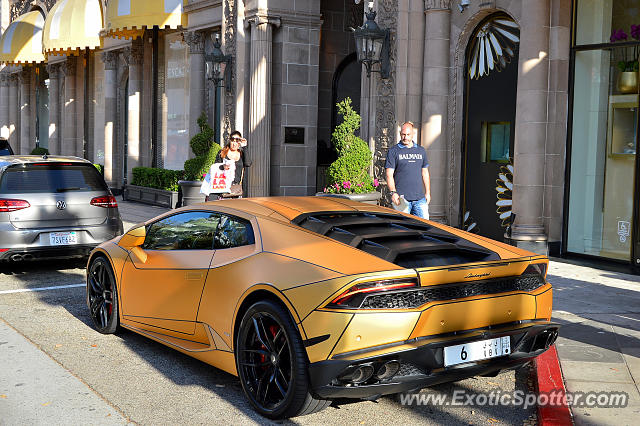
599 343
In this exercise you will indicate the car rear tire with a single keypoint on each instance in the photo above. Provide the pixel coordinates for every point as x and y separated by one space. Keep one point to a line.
102 296
272 363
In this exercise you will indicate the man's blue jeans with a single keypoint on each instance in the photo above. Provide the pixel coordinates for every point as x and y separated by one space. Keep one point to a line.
419 208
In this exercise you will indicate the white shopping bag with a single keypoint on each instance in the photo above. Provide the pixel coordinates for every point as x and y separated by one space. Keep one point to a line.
403 206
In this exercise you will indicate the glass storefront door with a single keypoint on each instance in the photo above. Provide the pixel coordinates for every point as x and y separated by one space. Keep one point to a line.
604 131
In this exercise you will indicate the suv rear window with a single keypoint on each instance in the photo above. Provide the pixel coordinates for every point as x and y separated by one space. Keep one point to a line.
51 178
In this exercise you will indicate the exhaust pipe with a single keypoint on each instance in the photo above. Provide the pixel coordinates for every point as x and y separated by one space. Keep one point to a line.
27 256
16 257
388 370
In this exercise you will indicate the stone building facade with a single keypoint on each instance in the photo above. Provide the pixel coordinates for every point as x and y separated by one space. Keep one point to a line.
498 142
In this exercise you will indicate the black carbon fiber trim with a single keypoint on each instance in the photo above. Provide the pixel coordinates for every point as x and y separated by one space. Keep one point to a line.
415 298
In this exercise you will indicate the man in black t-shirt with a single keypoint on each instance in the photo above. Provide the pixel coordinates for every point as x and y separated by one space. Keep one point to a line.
407 173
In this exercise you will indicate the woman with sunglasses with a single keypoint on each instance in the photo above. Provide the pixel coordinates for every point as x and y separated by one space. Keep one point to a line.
234 151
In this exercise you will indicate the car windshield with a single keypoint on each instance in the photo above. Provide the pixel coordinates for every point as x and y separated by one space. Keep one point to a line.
48 178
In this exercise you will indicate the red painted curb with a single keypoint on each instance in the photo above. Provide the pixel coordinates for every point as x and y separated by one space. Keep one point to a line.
549 380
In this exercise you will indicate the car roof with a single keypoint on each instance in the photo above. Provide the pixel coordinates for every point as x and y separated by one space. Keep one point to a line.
9 160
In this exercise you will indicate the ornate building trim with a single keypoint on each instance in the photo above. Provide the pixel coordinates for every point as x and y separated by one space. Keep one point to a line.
53 70
20 7
110 59
437 4
134 54
68 67
24 76
195 41
385 99
229 40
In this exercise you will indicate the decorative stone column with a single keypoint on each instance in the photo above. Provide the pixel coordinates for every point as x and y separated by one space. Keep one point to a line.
110 60
24 78
54 109
14 108
435 92
4 105
531 126
195 41
69 143
260 104
134 57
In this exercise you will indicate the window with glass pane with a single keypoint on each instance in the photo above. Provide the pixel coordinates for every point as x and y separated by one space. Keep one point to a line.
185 231
603 150
596 19
233 232
176 136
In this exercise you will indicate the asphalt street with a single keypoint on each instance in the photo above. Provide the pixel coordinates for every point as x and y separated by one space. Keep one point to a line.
56 369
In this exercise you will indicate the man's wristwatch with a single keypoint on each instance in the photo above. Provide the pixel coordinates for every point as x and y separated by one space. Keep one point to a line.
392 192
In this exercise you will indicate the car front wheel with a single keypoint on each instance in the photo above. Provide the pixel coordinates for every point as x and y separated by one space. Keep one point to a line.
102 297
272 364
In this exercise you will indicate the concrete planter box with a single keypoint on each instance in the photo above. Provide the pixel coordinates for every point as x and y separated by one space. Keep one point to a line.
156 197
367 197
191 192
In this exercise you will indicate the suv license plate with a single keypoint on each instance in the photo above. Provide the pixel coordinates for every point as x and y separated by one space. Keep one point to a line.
475 351
63 238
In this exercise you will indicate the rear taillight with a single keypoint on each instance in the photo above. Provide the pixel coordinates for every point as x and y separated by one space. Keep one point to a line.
106 201
354 296
13 205
536 268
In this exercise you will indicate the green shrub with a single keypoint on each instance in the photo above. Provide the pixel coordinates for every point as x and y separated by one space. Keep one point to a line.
205 150
156 178
40 151
100 168
350 172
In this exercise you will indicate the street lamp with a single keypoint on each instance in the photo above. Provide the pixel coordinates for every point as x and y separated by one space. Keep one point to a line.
217 70
216 62
372 45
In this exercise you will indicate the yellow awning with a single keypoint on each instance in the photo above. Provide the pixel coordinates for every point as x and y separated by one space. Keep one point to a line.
72 25
129 18
22 41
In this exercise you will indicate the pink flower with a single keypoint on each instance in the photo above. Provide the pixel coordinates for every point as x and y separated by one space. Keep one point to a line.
346 184
376 183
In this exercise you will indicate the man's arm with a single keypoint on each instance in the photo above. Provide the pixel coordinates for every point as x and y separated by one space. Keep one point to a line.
427 184
391 184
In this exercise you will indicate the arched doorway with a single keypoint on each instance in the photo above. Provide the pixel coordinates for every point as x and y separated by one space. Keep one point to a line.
491 77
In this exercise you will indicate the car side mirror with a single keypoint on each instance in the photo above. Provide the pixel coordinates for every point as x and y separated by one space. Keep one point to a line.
133 238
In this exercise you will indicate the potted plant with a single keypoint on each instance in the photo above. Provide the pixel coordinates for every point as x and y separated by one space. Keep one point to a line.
348 176
628 63
196 168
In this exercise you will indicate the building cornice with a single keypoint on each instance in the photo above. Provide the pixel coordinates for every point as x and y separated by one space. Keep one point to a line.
202 4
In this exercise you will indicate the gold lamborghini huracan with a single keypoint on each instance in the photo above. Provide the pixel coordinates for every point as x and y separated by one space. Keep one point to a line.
309 299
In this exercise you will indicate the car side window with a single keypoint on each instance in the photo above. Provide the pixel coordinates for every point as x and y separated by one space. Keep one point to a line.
233 232
183 231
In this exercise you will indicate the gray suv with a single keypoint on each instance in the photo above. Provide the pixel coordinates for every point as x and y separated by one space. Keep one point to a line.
53 207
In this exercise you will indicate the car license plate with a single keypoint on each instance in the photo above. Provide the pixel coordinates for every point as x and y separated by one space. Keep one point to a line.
475 351
63 238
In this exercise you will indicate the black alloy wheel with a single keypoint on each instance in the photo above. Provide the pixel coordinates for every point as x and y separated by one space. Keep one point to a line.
272 363
102 297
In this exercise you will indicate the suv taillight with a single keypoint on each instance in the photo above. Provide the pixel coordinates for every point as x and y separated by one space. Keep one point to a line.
106 201
13 205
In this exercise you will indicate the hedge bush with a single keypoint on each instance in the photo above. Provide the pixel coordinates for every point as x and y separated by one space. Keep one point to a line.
157 178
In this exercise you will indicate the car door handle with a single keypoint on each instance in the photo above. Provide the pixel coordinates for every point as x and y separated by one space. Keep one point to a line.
193 275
